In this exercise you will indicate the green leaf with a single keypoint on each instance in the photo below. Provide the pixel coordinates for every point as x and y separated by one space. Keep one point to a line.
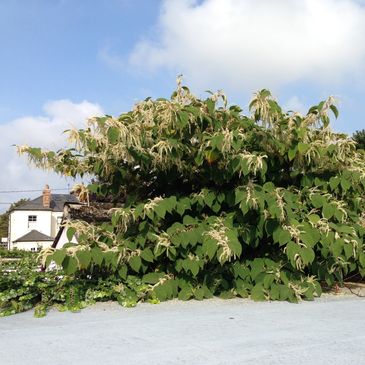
122 272
128 299
84 258
303 147
257 267
307 255
275 292
147 255
310 236
135 263
334 110
209 247
291 153
292 249
240 195
189 221
97 255
170 203
70 233
242 292
163 291
334 182
257 293
110 258
309 294
183 118
317 200
339 215
227 294
69 265
199 294
209 198
268 280
328 211
233 243
314 218
362 259
153 277
337 247
345 184
59 256
348 249
284 237
182 205
185 293
93 188
207 293
211 106
113 135
284 292
160 210
194 267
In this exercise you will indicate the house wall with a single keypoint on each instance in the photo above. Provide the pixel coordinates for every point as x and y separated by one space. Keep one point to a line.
63 239
55 223
27 246
19 224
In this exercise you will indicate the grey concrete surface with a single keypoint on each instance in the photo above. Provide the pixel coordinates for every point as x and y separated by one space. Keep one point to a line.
330 330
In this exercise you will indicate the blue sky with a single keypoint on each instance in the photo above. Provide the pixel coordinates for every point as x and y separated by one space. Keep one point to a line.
64 60
51 50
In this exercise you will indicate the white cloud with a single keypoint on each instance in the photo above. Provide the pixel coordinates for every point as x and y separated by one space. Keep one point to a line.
295 104
38 131
250 44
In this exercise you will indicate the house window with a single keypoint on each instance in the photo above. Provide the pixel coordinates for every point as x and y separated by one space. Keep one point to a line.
32 249
32 218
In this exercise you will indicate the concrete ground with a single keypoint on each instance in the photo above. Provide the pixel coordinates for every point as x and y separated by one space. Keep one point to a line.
330 330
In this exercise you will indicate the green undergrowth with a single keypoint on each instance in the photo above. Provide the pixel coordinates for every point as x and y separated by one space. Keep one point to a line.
24 286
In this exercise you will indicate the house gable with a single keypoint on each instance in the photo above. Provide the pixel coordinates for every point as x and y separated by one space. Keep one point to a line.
37 218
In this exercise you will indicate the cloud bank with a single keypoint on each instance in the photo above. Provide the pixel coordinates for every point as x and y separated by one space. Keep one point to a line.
249 44
39 131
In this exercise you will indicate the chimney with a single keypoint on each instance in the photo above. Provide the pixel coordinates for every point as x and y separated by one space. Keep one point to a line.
46 197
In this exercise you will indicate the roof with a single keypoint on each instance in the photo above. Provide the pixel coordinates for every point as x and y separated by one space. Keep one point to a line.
56 205
33 236
95 212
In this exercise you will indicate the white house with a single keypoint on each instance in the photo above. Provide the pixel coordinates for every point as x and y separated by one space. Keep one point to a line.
34 224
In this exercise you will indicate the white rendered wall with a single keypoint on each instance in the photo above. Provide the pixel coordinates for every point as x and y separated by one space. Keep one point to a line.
55 226
19 224
63 239
27 246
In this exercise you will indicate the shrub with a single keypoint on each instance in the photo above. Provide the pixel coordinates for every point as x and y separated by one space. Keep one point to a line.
215 202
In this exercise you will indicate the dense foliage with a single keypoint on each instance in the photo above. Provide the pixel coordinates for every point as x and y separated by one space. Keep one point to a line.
359 138
215 202
23 285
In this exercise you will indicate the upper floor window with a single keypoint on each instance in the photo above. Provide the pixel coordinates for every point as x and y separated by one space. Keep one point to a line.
32 218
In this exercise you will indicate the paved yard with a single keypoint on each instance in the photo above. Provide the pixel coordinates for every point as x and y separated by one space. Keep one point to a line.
330 330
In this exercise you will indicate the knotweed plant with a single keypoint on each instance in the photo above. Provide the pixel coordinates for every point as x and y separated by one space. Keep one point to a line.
214 202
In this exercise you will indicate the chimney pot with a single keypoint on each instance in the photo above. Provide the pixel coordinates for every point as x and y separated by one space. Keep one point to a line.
46 197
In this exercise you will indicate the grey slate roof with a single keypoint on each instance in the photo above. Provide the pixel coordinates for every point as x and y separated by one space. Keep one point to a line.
33 236
57 203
